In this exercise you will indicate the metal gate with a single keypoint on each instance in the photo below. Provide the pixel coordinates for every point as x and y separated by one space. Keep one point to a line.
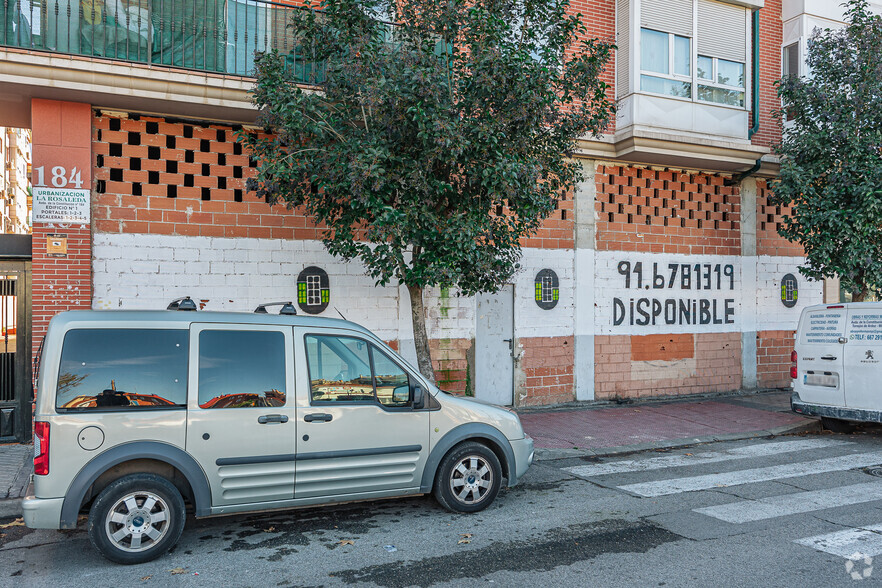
16 391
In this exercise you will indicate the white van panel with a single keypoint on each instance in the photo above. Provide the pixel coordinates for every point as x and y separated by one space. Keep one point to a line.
863 352
820 356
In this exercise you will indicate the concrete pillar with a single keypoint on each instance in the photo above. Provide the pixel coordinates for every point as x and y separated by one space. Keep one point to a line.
748 284
583 276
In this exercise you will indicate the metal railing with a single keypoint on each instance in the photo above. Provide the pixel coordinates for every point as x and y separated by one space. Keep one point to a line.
205 35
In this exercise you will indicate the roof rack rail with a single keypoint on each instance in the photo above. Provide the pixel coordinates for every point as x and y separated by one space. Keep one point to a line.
287 308
184 303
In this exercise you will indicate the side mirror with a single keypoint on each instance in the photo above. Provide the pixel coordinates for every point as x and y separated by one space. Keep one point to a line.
401 395
419 398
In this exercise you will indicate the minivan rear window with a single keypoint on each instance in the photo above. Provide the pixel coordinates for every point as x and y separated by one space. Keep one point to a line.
113 369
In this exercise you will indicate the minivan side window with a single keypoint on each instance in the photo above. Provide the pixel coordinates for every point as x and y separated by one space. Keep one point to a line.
122 369
340 370
393 385
241 369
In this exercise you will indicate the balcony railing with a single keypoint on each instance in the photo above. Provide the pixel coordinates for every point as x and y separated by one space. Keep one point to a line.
206 35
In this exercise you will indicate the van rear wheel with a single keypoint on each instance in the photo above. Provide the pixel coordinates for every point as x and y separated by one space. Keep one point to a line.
837 425
136 519
468 478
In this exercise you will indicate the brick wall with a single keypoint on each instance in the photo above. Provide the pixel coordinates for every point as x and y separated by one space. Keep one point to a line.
600 22
666 211
546 365
771 35
633 366
450 358
60 138
773 358
170 177
770 218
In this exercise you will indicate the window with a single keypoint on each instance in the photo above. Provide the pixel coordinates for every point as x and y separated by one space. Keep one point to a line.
393 385
241 369
665 63
790 64
108 369
723 81
340 370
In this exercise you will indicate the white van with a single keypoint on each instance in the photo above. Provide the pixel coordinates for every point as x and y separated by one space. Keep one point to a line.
836 367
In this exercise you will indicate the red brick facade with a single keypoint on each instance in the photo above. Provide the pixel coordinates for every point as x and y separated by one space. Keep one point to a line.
546 364
631 366
773 350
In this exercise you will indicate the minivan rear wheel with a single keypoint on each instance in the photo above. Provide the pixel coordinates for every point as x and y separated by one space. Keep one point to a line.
468 478
837 425
136 519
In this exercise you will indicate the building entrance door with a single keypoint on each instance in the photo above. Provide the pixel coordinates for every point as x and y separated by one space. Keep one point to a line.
494 343
16 390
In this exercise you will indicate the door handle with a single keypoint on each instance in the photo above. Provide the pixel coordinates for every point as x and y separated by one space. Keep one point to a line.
272 418
843 340
828 357
318 417
507 341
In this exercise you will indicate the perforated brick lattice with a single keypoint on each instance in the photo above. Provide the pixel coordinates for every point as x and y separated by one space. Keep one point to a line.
668 211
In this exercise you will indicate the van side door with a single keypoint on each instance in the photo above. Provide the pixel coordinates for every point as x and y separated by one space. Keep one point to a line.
819 378
863 352
241 420
358 430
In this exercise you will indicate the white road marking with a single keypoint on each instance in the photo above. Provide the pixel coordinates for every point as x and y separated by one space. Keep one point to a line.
788 504
751 476
866 541
674 461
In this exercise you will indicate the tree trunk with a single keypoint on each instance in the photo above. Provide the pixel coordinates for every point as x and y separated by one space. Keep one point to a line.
420 335
859 295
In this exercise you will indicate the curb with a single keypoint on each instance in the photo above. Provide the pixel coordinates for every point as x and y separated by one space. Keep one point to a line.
812 425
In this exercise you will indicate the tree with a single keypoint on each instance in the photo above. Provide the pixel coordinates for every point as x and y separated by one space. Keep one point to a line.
430 148
831 150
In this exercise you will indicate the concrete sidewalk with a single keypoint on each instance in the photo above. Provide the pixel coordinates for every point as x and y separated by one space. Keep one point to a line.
586 430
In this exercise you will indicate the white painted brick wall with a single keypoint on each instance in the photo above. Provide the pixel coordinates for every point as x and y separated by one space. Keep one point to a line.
772 315
145 271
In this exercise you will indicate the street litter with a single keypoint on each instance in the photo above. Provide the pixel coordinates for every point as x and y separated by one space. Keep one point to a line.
390 548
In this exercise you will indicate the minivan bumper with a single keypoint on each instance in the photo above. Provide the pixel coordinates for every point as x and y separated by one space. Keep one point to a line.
41 513
834 412
523 454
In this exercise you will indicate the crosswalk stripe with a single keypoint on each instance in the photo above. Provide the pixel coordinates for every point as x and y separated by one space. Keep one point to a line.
673 461
750 476
788 504
866 541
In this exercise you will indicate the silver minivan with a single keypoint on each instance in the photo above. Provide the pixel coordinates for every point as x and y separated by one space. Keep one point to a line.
141 415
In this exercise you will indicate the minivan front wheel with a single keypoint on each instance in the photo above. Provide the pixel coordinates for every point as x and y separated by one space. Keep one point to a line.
136 519
468 478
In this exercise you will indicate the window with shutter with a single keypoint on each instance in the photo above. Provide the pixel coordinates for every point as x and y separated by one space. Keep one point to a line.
690 49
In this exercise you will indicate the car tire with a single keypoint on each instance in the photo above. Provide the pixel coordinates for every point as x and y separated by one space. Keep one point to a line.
837 425
468 478
136 519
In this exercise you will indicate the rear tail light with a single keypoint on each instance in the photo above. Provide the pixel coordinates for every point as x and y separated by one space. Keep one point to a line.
41 448
793 358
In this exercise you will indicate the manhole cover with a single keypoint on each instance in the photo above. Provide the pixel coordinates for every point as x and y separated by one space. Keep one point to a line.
874 471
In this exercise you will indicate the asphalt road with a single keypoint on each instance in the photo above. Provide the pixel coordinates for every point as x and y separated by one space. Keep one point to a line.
790 511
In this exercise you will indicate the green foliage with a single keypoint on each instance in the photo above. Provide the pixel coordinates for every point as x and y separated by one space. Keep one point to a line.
832 154
421 132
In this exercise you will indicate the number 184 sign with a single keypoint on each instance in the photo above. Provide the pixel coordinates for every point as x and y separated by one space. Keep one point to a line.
61 201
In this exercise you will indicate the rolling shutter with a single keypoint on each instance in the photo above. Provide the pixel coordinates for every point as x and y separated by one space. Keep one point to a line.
722 30
668 16
623 42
